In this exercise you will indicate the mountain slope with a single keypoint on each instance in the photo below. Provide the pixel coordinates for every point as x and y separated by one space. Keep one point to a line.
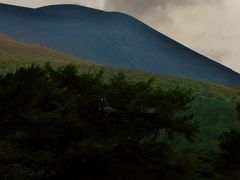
112 39
14 54
213 106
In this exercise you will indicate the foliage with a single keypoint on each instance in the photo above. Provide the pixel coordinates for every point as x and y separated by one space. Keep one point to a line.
228 160
58 124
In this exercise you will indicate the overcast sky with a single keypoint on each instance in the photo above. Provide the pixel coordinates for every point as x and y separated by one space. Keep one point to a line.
211 27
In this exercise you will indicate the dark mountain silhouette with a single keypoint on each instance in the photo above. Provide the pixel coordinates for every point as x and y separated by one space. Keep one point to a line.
112 39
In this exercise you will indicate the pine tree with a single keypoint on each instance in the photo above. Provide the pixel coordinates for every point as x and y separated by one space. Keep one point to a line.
62 124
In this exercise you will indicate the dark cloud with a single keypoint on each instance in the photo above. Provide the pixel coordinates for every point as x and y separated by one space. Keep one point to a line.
151 11
138 7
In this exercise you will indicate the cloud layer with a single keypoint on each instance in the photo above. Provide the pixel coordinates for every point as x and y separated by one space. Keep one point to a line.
210 27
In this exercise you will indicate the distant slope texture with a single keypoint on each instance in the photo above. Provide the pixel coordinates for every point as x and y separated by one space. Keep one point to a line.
108 38
15 54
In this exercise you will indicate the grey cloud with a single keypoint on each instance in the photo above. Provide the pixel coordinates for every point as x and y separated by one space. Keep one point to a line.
141 6
152 12
219 55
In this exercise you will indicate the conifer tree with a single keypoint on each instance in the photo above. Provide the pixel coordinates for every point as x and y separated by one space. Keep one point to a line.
62 124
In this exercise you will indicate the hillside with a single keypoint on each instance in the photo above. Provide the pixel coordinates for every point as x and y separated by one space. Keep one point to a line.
112 39
14 54
214 105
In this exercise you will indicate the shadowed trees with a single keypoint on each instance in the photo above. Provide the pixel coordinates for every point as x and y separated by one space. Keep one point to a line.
59 124
228 160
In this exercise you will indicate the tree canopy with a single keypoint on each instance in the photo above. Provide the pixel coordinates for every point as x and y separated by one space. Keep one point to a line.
228 160
63 124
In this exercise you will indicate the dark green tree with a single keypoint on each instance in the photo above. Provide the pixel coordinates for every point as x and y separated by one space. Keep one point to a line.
61 124
228 160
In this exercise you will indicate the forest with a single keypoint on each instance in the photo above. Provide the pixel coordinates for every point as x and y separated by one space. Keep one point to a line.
59 123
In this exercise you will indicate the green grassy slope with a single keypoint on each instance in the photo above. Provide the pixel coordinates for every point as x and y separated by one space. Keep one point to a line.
214 105
14 54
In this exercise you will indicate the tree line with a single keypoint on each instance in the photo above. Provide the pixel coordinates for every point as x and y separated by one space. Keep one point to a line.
64 124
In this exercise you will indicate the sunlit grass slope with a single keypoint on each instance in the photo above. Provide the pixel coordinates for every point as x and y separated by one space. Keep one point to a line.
15 54
213 106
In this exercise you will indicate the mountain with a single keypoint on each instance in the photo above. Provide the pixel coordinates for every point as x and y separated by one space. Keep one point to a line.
112 39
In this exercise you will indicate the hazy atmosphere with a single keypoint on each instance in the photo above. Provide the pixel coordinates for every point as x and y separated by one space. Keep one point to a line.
207 26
